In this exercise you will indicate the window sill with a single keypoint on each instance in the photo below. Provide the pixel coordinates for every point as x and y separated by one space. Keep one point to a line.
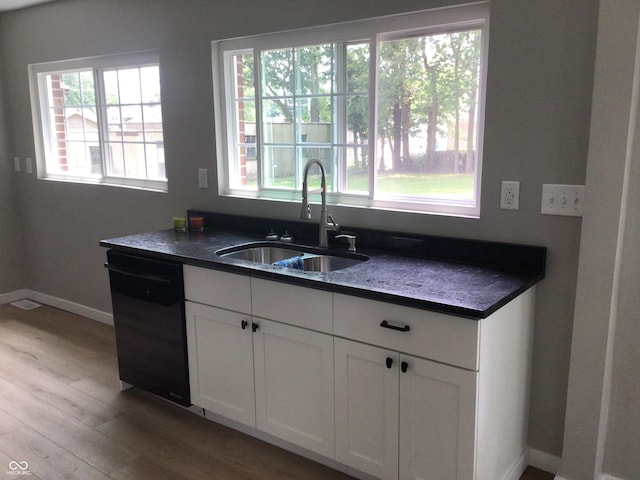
147 185
442 207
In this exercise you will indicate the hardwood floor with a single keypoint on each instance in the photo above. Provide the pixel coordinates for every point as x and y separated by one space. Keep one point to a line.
61 412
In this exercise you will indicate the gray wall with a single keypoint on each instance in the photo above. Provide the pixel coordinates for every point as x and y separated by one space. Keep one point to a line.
12 259
541 58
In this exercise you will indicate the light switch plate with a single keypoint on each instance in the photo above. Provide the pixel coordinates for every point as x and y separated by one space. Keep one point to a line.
16 164
565 200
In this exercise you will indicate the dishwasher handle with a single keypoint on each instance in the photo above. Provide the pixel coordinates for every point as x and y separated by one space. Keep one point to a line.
142 276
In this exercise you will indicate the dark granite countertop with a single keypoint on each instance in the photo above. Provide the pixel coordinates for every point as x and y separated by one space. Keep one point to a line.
459 277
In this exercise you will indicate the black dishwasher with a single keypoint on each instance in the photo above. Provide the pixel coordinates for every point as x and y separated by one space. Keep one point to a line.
148 313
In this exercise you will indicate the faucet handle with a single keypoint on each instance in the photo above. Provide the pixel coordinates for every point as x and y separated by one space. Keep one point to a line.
351 240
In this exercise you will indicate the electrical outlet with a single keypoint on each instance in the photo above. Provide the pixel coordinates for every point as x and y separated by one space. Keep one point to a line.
510 195
565 200
203 178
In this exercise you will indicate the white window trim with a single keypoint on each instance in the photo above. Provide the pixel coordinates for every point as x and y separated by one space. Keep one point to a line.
41 124
427 21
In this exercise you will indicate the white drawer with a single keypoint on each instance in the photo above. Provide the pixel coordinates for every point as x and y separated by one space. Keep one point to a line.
220 289
301 306
443 338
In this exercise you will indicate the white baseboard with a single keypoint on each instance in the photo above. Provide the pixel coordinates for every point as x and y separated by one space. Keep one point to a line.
57 302
544 461
604 476
13 296
518 467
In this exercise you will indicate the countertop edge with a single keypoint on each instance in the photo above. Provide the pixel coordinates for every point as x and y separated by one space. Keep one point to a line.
322 284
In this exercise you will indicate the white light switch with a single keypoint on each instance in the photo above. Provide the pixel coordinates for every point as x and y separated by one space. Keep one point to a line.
29 165
16 164
562 200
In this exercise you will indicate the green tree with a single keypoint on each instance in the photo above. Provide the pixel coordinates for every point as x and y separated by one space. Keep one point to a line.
358 100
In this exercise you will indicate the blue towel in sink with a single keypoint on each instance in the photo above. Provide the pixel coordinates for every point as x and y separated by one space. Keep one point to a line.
293 262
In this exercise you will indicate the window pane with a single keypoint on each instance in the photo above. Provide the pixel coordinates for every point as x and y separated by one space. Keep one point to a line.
155 161
357 176
279 167
152 123
326 157
111 90
428 90
277 125
357 68
357 119
72 124
277 73
134 123
314 70
243 172
129 85
150 81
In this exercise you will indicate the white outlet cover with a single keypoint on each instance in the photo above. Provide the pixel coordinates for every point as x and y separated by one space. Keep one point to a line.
203 178
510 195
566 200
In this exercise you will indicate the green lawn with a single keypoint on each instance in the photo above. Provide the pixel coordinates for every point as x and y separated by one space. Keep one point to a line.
401 184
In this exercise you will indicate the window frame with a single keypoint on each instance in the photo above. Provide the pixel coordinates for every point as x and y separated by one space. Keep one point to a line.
42 125
439 20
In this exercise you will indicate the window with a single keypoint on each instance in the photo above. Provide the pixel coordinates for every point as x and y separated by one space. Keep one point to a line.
99 120
392 107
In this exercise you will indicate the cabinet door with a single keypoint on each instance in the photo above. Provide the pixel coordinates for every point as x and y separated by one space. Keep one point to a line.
220 350
366 380
437 421
294 385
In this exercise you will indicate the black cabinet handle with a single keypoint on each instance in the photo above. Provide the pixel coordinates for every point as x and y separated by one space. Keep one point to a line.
244 324
254 326
389 362
386 324
404 366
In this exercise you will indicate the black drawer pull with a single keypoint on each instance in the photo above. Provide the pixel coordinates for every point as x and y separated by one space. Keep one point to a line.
254 326
386 324
389 362
404 366
244 324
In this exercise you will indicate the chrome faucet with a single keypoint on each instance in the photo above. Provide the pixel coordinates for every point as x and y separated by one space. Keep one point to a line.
326 220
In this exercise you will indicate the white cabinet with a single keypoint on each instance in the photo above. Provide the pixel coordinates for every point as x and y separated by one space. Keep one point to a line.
387 390
294 385
220 347
262 373
399 415
437 420
454 398
367 381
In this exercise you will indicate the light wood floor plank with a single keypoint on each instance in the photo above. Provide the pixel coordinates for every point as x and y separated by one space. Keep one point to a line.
74 436
46 459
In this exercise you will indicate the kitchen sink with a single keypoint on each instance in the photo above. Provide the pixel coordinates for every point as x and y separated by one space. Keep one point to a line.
298 257
260 254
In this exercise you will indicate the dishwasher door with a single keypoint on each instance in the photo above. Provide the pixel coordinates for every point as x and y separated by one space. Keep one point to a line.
148 313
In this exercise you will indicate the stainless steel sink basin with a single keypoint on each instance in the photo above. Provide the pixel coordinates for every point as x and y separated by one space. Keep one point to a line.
262 254
328 263
298 257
